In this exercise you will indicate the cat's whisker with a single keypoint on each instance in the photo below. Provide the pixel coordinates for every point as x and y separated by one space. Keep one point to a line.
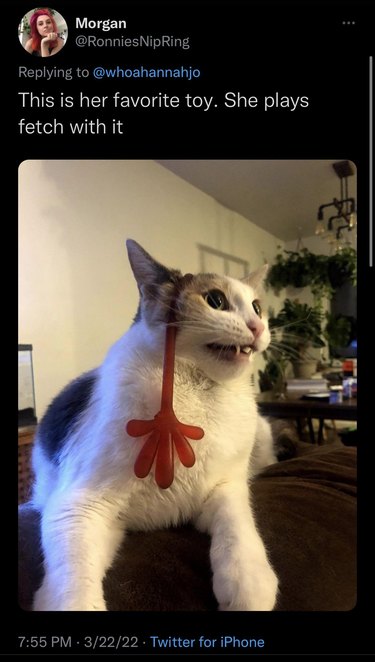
282 341
287 324
288 336
284 349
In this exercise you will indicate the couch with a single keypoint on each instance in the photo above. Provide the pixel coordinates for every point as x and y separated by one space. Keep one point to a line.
306 513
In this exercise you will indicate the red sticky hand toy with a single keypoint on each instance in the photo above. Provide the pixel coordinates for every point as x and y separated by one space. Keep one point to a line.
165 430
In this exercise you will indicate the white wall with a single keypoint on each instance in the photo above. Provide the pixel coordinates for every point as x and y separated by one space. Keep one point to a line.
77 294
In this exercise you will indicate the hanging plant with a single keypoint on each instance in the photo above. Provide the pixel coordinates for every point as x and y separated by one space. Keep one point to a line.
342 267
322 273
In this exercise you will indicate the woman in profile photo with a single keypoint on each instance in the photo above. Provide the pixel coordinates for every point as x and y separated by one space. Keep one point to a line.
45 40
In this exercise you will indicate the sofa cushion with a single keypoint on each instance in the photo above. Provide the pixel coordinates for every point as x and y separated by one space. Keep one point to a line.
306 513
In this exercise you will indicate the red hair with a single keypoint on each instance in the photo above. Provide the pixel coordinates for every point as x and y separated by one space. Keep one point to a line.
35 36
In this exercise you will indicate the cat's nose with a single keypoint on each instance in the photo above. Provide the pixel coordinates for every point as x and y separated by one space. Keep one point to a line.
256 327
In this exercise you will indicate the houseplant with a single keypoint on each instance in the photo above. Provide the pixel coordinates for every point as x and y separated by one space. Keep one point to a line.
295 330
298 327
323 273
337 332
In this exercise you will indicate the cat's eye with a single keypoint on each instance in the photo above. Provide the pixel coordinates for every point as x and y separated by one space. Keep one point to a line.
257 307
216 299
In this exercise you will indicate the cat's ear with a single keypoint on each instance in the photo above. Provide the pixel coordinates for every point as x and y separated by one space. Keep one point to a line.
145 269
256 278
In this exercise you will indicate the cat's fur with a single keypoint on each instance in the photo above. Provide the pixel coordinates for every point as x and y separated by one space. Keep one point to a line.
83 458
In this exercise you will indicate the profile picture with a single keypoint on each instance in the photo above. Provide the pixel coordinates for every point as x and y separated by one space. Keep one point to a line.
43 32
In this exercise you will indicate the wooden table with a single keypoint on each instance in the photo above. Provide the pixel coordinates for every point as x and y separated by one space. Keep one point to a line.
308 409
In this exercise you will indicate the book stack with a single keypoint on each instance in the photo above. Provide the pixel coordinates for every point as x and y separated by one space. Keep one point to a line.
297 388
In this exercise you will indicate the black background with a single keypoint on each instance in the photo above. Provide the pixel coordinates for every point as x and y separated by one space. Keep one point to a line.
297 49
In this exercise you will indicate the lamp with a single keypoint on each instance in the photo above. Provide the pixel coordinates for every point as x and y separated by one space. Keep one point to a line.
344 216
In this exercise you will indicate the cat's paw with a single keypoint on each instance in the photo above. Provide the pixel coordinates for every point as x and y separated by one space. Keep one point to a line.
46 599
253 588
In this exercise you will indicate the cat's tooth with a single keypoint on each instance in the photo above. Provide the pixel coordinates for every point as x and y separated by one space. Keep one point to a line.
238 349
246 350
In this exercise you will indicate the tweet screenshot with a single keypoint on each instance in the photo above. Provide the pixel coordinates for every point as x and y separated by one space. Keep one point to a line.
192 188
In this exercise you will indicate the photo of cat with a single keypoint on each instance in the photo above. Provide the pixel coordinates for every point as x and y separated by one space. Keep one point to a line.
148 480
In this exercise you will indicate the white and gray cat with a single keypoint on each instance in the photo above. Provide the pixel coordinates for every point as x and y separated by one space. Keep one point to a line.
83 459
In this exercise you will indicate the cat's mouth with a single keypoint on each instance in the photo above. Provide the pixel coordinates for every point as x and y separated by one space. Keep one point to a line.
230 352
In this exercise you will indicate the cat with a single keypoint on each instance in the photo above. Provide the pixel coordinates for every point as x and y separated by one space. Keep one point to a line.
83 459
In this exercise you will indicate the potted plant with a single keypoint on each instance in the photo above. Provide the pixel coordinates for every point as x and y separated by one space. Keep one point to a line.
295 330
272 378
298 327
342 267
